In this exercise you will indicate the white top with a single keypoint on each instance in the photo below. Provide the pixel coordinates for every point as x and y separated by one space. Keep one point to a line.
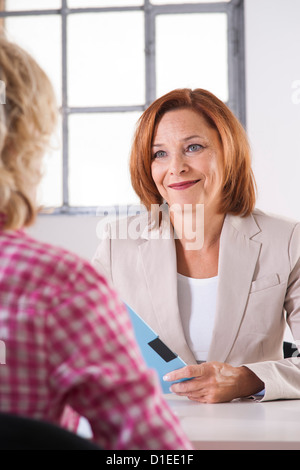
197 300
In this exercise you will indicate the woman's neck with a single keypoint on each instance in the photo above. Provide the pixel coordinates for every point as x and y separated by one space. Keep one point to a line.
198 257
196 228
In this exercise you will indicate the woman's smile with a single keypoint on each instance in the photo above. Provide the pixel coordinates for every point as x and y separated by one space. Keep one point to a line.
183 185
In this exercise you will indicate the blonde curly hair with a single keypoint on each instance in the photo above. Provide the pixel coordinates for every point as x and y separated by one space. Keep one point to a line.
28 116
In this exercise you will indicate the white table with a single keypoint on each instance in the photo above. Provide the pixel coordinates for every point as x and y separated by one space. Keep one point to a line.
239 425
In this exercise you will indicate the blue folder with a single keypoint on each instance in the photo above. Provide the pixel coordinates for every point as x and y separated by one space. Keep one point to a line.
156 354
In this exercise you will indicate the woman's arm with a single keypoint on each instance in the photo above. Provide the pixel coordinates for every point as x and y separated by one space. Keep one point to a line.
282 378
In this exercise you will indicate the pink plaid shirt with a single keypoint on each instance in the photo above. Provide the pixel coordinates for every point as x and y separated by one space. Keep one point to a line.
68 341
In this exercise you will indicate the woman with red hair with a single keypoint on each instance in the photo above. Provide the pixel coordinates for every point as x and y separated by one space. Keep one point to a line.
216 278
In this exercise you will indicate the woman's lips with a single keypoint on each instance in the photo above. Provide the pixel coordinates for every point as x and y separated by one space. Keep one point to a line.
183 185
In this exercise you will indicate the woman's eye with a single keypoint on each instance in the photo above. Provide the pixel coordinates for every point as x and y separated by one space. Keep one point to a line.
194 147
160 154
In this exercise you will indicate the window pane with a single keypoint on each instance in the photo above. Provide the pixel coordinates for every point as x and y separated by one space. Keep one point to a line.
50 193
99 159
192 52
32 5
41 37
106 59
167 2
104 3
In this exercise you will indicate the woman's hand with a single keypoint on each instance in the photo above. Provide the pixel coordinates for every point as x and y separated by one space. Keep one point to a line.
214 382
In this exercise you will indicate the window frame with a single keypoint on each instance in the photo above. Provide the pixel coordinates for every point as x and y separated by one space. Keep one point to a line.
236 72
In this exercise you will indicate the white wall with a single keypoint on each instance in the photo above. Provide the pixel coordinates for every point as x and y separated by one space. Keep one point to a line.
75 233
273 122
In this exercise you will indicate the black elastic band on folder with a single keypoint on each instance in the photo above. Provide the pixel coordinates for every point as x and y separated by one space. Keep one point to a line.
162 350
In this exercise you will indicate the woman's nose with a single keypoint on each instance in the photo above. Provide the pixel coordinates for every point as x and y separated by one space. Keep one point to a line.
177 165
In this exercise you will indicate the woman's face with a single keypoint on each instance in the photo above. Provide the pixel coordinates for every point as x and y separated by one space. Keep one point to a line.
186 157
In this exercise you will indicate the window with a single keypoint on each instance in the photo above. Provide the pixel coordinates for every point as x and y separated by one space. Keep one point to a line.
108 60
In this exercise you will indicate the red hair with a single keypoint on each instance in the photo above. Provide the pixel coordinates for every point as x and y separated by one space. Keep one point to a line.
238 183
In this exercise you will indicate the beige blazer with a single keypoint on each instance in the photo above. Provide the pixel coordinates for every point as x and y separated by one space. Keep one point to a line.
258 291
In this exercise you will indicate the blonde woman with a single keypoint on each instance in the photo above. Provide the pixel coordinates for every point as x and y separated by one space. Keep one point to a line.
67 337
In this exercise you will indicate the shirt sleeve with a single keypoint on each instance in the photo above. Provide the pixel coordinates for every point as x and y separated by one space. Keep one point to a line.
95 364
258 396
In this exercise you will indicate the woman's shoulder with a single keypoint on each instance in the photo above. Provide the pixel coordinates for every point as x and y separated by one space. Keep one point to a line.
271 221
266 226
57 262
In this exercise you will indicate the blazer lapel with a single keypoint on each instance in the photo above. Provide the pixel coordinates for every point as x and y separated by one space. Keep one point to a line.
162 286
237 261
